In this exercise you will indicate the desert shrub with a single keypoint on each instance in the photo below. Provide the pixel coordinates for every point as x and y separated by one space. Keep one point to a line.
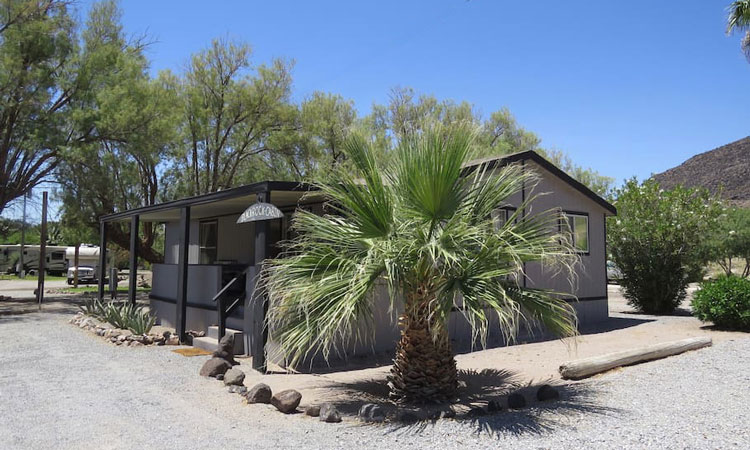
120 315
725 302
656 241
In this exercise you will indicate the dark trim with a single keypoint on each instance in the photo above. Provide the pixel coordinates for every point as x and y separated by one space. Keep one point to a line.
255 188
523 212
102 258
588 228
183 252
132 281
255 315
539 159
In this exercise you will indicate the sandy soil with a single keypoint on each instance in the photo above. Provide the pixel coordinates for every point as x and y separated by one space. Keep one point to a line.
498 370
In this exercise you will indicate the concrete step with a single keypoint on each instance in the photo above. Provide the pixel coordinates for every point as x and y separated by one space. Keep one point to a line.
211 343
213 332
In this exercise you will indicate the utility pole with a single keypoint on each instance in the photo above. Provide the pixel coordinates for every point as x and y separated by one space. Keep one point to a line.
42 251
21 270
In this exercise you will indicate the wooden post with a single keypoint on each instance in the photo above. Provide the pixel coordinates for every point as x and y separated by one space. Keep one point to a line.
42 252
182 274
133 259
76 258
102 258
259 300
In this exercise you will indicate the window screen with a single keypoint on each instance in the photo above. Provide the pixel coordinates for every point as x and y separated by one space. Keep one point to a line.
208 235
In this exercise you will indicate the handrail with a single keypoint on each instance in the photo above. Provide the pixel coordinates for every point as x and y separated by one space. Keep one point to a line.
231 282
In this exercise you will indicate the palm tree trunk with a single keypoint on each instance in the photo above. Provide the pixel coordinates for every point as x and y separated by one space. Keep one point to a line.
424 370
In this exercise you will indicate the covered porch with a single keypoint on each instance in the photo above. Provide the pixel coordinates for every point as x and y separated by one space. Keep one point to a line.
211 262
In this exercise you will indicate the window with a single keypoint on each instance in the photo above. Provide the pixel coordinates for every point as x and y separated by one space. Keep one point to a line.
500 216
578 225
208 234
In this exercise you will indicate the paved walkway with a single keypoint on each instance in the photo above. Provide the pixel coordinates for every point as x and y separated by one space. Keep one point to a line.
62 388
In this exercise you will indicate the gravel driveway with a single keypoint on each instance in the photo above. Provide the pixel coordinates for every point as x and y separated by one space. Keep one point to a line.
63 388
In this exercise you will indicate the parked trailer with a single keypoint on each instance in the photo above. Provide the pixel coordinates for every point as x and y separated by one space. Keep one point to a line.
10 256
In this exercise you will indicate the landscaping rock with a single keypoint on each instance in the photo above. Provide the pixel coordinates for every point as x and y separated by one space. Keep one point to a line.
329 413
234 377
136 344
220 377
286 401
312 411
546 393
516 401
214 367
260 393
494 406
371 412
226 349
476 411
241 390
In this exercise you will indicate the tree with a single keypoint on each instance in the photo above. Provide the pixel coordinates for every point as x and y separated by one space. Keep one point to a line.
37 46
408 114
230 113
425 229
739 20
123 128
656 241
731 240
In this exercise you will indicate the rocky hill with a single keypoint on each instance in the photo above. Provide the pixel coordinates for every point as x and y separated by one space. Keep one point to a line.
725 169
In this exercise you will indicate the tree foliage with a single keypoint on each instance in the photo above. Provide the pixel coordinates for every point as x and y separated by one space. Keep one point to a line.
730 241
656 241
426 230
739 21
37 83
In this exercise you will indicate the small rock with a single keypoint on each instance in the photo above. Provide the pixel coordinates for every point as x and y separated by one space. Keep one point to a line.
476 411
166 334
447 414
312 411
547 392
214 367
242 390
173 340
407 417
232 389
136 344
286 401
516 401
371 412
220 377
234 377
494 406
260 393
328 413
226 349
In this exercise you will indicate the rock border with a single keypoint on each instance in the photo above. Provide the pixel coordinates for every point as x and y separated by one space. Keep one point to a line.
120 337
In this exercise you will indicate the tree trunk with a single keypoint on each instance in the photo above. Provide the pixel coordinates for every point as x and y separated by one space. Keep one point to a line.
424 370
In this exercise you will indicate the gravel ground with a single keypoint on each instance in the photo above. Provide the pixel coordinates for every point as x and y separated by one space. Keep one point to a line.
63 388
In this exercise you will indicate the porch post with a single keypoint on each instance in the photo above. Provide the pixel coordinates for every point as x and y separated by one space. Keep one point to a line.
102 258
182 273
133 258
259 301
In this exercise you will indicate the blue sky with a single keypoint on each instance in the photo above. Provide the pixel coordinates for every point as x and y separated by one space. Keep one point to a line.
627 88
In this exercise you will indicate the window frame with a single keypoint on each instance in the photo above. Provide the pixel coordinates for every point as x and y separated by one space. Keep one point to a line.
201 247
507 211
568 215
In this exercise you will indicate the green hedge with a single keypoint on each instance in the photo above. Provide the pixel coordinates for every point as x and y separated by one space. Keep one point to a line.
725 302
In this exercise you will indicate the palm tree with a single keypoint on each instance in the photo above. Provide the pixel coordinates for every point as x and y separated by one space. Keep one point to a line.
422 224
739 20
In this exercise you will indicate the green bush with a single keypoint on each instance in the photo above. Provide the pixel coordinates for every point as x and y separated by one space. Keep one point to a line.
725 302
120 315
656 239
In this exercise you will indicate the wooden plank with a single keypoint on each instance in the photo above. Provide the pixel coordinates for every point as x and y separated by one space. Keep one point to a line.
583 368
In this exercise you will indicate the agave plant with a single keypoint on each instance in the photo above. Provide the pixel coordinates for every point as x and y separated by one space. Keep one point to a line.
423 224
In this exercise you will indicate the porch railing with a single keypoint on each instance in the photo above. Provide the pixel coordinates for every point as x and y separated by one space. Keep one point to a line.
229 298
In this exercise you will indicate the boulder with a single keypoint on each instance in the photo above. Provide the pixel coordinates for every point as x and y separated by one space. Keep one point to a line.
312 411
329 413
260 393
214 367
494 406
226 349
547 392
516 401
286 401
234 377
370 412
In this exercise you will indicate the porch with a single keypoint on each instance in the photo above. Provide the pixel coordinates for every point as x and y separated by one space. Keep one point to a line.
211 262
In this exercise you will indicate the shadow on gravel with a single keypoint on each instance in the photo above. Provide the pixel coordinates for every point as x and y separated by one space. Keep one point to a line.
472 408
52 305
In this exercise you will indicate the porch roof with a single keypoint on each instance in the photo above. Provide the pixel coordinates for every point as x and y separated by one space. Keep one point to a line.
229 201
